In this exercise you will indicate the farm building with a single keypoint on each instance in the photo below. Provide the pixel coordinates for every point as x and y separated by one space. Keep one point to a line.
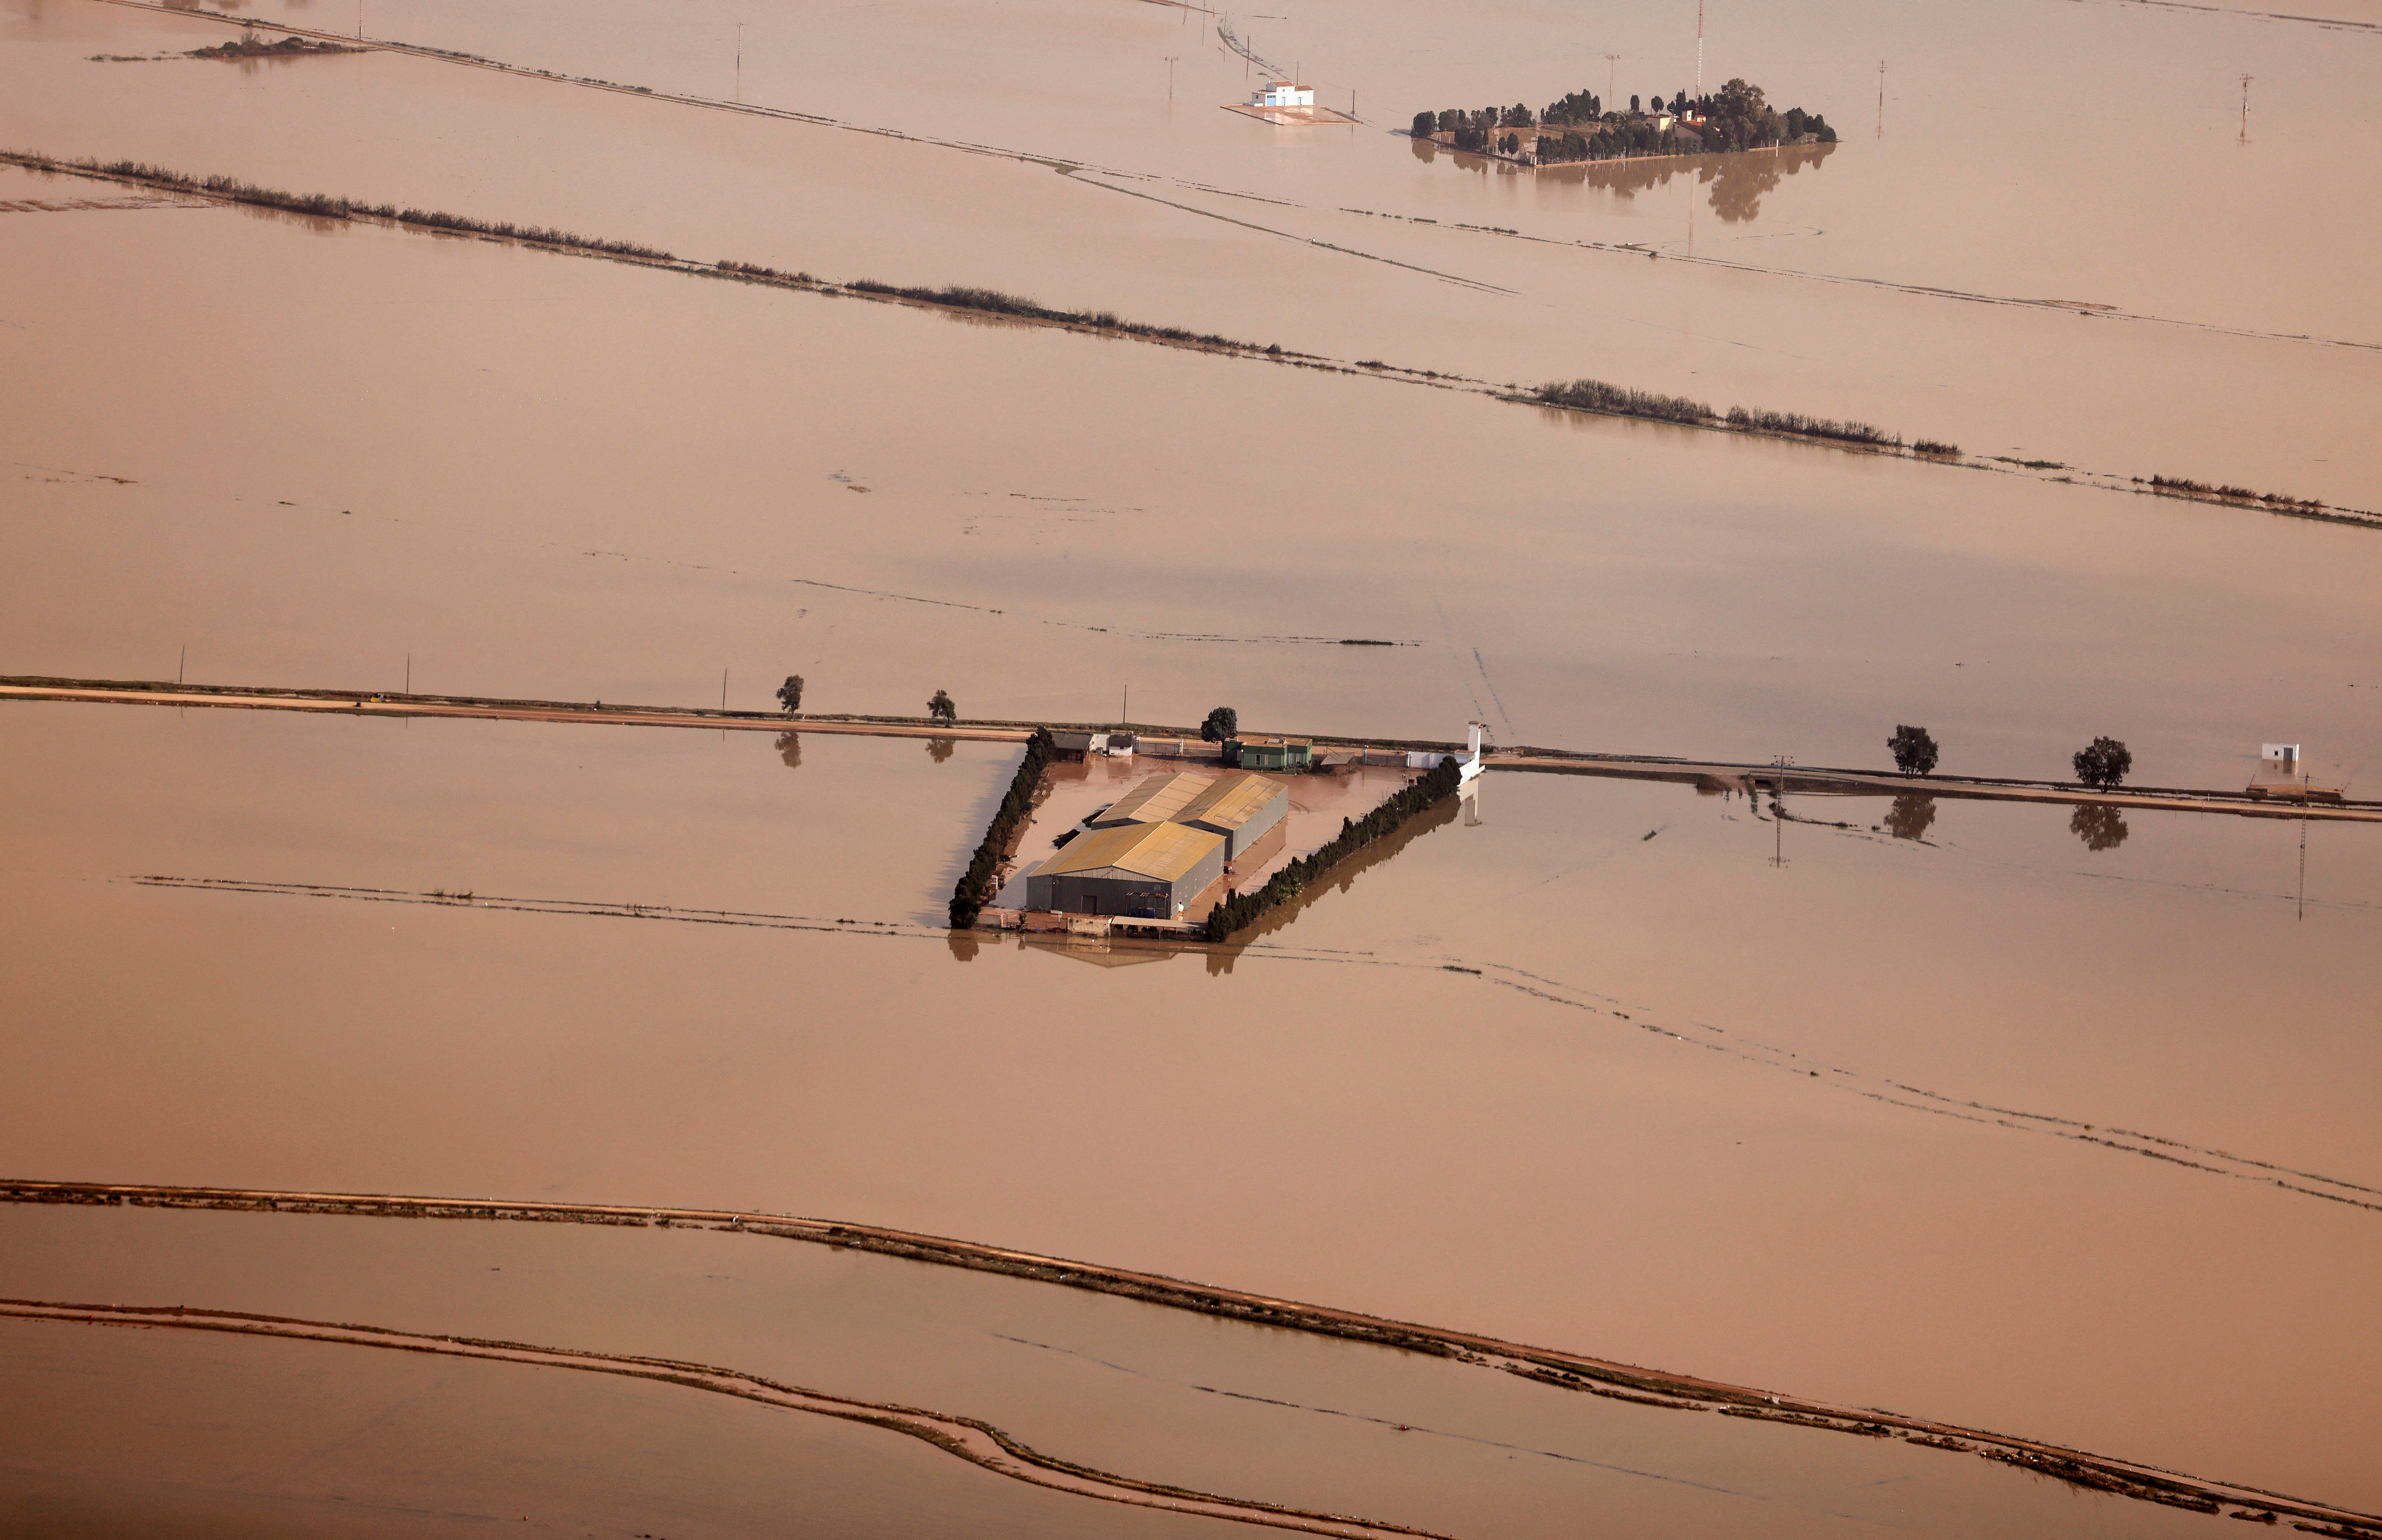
1146 871
1240 806
1269 753
1155 801
1283 93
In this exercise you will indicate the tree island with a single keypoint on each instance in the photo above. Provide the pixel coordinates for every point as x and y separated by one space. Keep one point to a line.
1577 127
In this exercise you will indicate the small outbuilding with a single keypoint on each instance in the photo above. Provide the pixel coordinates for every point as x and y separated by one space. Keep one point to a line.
1139 871
1240 806
1269 753
1283 93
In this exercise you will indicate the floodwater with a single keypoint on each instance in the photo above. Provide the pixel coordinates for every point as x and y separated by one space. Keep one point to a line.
1943 272
1123 1387
2049 1120
1497 1081
640 478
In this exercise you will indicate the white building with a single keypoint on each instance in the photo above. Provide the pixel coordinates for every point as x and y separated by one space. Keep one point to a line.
1283 94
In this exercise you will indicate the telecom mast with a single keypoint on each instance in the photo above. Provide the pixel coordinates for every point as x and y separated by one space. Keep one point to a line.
1697 104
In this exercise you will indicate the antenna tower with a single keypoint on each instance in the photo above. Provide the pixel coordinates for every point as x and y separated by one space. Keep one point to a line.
1699 54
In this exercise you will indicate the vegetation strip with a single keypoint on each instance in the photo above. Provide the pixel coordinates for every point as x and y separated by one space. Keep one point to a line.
1588 396
1556 760
1550 1366
1009 820
1237 911
970 1438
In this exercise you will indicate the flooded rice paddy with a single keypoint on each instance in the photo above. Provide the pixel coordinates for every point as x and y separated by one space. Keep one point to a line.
2045 1121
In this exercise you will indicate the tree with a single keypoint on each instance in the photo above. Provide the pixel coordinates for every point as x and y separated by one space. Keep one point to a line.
1633 103
1914 750
2103 762
1450 119
1222 723
2099 825
789 694
1679 103
1425 125
941 709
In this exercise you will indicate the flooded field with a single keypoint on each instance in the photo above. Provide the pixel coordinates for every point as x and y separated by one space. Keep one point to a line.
1119 1385
2047 1120
641 478
1953 276
1493 1081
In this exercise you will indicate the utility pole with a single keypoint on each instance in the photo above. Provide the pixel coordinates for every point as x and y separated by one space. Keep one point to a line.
1170 75
409 673
1880 98
1610 61
723 690
740 61
2246 107
184 663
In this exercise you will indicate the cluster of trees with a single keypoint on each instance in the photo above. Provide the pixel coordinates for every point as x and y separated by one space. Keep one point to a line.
2104 763
1237 911
968 896
1737 116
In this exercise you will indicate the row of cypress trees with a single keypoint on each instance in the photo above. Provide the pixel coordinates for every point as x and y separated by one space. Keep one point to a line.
1236 911
967 899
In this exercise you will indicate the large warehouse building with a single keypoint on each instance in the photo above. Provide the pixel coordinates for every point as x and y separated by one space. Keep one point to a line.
1241 806
1144 871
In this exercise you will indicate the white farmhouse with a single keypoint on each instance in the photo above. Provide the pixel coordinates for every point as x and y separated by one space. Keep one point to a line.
1283 94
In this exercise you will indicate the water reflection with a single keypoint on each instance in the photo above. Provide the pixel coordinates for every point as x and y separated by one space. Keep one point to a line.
1737 182
790 749
938 749
1910 815
2099 825
964 946
1340 879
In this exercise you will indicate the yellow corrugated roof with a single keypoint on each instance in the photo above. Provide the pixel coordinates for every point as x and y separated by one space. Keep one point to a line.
1165 851
1157 799
1232 800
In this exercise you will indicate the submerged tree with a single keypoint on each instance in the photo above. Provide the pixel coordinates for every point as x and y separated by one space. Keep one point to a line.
789 694
941 709
1914 750
2099 825
2103 762
1425 124
1222 723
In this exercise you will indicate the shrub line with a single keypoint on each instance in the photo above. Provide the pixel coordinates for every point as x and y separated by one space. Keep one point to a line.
968 898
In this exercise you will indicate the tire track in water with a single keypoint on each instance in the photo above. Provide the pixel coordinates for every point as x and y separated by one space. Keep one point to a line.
2180 1153
1551 1367
969 1438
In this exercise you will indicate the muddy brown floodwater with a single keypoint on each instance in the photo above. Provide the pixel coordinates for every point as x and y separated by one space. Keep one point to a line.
1952 276
2049 1120
1496 1083
1118 1385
